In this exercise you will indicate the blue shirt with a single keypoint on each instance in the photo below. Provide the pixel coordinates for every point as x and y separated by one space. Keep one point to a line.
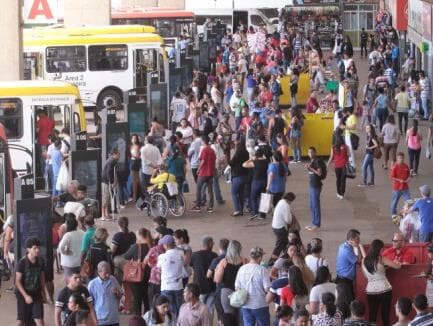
395 52
229 92
346 261
424 207
278 183
104 300
251 82
56 161
175 166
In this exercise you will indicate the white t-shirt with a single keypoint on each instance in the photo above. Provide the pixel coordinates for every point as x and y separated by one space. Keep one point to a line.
215 95
255 280
318 290
282 215
179 108
70 248
171 265
186 134
149 154
313 263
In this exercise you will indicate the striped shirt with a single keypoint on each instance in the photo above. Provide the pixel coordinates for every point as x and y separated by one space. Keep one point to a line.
422 319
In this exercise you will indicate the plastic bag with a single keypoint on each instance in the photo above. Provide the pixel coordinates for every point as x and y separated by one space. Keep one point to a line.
62 179
265 203
409 226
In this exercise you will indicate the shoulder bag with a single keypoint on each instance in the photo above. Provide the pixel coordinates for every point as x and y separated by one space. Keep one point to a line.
86 270
240 297
133 271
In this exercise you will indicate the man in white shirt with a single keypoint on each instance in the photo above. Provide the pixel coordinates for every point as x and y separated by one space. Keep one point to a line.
171 265
150 160
254 278
280 220
178 107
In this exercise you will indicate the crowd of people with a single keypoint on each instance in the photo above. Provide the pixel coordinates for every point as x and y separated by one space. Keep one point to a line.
228 125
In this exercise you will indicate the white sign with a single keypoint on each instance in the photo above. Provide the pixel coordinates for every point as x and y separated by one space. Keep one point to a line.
43 11
52 100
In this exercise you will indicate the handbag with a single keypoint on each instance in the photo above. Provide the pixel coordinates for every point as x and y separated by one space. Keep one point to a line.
133 271
172 188
86 270
240 296
350 171
265 203
377 152
354 140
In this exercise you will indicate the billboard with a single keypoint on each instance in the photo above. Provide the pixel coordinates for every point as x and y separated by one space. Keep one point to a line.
42 12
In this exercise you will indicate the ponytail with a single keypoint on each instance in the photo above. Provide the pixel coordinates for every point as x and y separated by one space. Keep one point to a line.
328 300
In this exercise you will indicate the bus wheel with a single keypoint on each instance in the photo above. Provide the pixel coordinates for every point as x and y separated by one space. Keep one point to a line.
110 98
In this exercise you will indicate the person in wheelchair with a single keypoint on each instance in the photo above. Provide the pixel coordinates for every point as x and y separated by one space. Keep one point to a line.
158 180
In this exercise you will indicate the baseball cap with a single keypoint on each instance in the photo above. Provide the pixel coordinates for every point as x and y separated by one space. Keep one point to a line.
167 240
256 252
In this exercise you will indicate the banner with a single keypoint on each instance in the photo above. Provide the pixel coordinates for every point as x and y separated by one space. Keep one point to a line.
42 11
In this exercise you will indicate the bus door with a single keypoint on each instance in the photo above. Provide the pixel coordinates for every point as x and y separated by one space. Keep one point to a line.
145 62
32 66
238 17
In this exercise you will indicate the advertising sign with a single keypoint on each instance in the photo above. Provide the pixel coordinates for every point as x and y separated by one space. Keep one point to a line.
426 21
415 15
42 11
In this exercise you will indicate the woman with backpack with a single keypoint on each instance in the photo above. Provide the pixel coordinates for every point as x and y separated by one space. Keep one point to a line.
340 157
413 142
99 251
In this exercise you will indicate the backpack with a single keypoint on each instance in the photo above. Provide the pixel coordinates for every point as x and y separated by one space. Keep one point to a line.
324 169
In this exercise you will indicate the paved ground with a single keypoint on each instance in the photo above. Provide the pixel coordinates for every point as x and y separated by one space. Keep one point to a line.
366 209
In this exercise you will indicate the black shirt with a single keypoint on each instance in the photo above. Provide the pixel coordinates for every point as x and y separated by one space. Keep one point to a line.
315 180
200 262
108 171
260 170
278 126
214 263
239 157
123 241
31 276
99 252
63 298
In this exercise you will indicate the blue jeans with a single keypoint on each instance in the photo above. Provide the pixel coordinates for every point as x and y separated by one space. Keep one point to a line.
216 187
315 205
257 187
395 197
259 317
368 164
238 185
238 121
175 298
425 107
382 115
55 192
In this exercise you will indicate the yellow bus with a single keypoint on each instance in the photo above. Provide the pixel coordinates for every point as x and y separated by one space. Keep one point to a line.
89 30
103 66
20 101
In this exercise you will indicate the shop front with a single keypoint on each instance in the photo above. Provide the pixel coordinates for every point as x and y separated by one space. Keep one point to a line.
358 15
420 35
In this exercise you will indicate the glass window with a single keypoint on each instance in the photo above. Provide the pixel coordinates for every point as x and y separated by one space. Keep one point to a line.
370 21
256 20
11 116
166 28
108 57
362 20
66 58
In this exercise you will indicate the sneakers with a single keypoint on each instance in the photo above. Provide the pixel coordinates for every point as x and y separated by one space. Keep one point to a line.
312 228
253 217
209 210
340 196
237 213
196 209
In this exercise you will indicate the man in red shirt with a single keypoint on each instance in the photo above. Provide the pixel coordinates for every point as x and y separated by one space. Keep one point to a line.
398 252
400 175
205 175
312 104
44 128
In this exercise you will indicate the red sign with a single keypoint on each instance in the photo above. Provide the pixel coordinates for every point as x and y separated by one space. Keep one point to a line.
41 11
399 10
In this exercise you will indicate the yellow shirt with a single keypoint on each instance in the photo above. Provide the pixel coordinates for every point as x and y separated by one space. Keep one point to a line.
402 101
351 124
160 180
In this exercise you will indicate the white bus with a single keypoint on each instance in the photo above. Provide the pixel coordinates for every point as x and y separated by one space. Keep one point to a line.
103 66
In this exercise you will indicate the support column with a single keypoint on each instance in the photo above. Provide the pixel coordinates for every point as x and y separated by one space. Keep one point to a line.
87 12
11 36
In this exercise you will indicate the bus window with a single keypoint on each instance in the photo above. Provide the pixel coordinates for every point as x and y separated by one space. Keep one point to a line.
161 68
77 124
66 59
256 20
108 57
11 116
166 28
32 66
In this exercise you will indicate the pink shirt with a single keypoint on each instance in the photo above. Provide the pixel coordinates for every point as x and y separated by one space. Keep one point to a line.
413 142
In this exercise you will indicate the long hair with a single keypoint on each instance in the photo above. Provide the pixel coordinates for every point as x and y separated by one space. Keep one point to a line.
328 300
296 282
123 224
182 234
160 300
322 275
278 157
373 254
415 127
233 254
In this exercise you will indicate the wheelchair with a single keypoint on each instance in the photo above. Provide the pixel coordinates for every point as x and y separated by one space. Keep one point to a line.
159 203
